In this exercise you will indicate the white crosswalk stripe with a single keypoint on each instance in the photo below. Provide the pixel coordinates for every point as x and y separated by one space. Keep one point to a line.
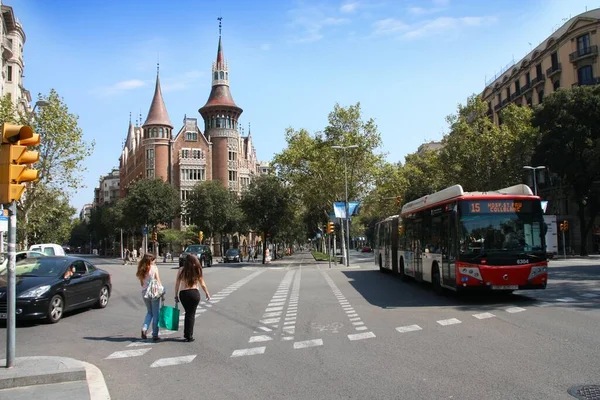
408 328
165 362
451 321
128 353
484 315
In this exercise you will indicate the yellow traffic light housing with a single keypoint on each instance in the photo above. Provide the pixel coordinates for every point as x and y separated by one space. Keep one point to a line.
566 225
201 236
330 227
14 160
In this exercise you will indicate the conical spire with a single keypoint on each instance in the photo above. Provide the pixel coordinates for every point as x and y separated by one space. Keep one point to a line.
158 114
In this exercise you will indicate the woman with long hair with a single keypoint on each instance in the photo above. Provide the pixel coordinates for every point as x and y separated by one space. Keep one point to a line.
146 271
189 279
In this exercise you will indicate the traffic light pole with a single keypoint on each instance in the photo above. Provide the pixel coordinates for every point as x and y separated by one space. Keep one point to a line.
329 249
564 245
11 300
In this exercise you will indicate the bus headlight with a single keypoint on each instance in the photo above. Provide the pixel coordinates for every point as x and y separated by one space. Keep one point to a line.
472 272
535 271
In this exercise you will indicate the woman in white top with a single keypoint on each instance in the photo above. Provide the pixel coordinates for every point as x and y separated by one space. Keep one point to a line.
189 278
147 270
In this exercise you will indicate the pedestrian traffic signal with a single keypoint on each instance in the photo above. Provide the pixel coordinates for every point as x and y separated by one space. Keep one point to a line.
14 160
330 227
200 236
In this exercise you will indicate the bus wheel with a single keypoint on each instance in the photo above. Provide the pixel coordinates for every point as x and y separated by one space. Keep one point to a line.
403 276
436 280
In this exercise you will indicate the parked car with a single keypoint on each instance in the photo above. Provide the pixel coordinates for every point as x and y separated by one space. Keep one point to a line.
367 249
50 249
21 255
45 291
201 251
232 255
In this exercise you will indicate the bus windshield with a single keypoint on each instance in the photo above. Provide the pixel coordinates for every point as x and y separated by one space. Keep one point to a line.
501 226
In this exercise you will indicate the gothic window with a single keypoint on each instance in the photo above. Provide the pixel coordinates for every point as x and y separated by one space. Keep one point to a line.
222 75
154 132
191 136
232 176
150 154
228 122
216 75
150 173
161 133
227 75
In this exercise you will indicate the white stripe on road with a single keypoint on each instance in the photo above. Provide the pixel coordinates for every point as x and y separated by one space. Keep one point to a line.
361 328
270 321
566 300
272 314
360 336
260 338
128 353
513 310
248 352
408 328
484 315
308 343
287 338
165 362
271 309
451 321
137 344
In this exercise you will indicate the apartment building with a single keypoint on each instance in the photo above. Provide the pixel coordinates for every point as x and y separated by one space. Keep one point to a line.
569 57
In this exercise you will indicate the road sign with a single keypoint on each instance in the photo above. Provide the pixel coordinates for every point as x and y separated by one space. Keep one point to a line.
145 230
3 223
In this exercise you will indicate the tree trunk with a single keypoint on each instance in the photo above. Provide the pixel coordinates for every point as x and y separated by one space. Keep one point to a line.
582 229
264 250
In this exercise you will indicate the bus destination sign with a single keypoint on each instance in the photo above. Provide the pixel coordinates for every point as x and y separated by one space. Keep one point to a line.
496 207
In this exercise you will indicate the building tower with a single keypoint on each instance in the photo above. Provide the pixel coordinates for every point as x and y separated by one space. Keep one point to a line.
157 131
221 114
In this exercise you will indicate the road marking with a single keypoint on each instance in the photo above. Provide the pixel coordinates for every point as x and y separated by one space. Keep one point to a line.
137 344
408 328
290 318
355 319
272 314
451 321
289 323
590 295
566 299
308 343
128 353
276 303
513 310
544 304
358 323
360 336
165 332
248 352
361 328
260 338
165 362
287 338
484 315
353 315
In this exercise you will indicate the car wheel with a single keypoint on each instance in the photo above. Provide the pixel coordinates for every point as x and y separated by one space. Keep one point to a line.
55 309
209 263
103 297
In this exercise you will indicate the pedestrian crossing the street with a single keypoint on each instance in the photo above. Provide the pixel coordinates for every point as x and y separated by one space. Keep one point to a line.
274 331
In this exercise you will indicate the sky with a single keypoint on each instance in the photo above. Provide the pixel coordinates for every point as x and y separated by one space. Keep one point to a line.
408 62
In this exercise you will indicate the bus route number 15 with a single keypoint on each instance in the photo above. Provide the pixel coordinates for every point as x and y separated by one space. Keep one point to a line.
475 208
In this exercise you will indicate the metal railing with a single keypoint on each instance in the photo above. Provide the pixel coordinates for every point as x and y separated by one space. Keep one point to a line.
584 52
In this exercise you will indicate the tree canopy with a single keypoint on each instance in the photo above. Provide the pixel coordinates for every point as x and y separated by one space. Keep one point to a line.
152 202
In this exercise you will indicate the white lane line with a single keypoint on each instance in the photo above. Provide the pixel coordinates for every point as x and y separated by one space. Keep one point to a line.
361 328
128 353
137 344
355 319
270 309
513 310
408 328
276 303
566 300
165 362
360 336
260 338
286 338
272 314
451 321
484 315
358 323
200 311
215 301
248 352
590 295
352 315
289 323
308 343
270 321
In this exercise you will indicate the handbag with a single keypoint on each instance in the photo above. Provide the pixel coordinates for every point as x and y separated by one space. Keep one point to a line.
154 290
168 318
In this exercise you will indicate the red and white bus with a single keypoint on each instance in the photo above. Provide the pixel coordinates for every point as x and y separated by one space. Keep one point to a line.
467 240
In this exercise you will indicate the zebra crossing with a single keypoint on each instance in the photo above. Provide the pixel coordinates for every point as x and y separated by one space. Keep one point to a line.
275 330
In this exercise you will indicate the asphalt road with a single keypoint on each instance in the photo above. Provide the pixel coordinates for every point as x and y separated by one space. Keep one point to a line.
296 329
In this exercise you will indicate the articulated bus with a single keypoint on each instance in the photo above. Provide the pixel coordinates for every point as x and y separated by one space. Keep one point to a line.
467 240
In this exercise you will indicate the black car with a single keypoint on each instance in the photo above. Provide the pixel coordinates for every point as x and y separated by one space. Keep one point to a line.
49 286
201 251
232 255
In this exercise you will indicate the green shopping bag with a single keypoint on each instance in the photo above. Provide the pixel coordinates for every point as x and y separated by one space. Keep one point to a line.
168 318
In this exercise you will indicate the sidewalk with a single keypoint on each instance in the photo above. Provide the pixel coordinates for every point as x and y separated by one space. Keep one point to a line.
51 378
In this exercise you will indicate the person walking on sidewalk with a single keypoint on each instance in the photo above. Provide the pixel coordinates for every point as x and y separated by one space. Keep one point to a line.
187 289
146 272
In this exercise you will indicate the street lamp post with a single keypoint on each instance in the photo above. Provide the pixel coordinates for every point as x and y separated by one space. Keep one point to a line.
347 255
534 169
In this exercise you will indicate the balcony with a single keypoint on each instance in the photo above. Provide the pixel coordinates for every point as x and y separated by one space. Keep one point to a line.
581 54
538 80
7 48
497 107
526 88
516 94
553 70
591 82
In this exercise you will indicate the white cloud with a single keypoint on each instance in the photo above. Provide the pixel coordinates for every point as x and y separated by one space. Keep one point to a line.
349 7
181 82
438 5
120 87
395 27
265 47
310 21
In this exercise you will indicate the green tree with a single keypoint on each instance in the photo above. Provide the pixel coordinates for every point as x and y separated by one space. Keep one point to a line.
569 121
213 209
267 204
80 235
151 202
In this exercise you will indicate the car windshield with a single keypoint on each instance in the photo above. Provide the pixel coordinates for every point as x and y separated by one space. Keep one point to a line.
194 249
40 267
232 252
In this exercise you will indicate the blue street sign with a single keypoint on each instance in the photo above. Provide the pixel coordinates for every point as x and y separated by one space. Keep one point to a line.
3 218
145 230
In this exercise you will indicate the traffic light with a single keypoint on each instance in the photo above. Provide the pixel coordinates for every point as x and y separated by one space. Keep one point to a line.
330 227
200 236
14 160
154 236
566 225
398 201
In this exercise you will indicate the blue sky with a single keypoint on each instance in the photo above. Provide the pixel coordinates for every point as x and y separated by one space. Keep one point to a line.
408 62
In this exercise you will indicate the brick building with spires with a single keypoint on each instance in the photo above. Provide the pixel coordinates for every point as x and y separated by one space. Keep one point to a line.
211 150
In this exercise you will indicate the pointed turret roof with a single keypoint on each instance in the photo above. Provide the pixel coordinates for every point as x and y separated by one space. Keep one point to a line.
158 114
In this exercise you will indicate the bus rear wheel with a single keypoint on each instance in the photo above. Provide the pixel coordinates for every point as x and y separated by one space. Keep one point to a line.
380 264
403 275
436 280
